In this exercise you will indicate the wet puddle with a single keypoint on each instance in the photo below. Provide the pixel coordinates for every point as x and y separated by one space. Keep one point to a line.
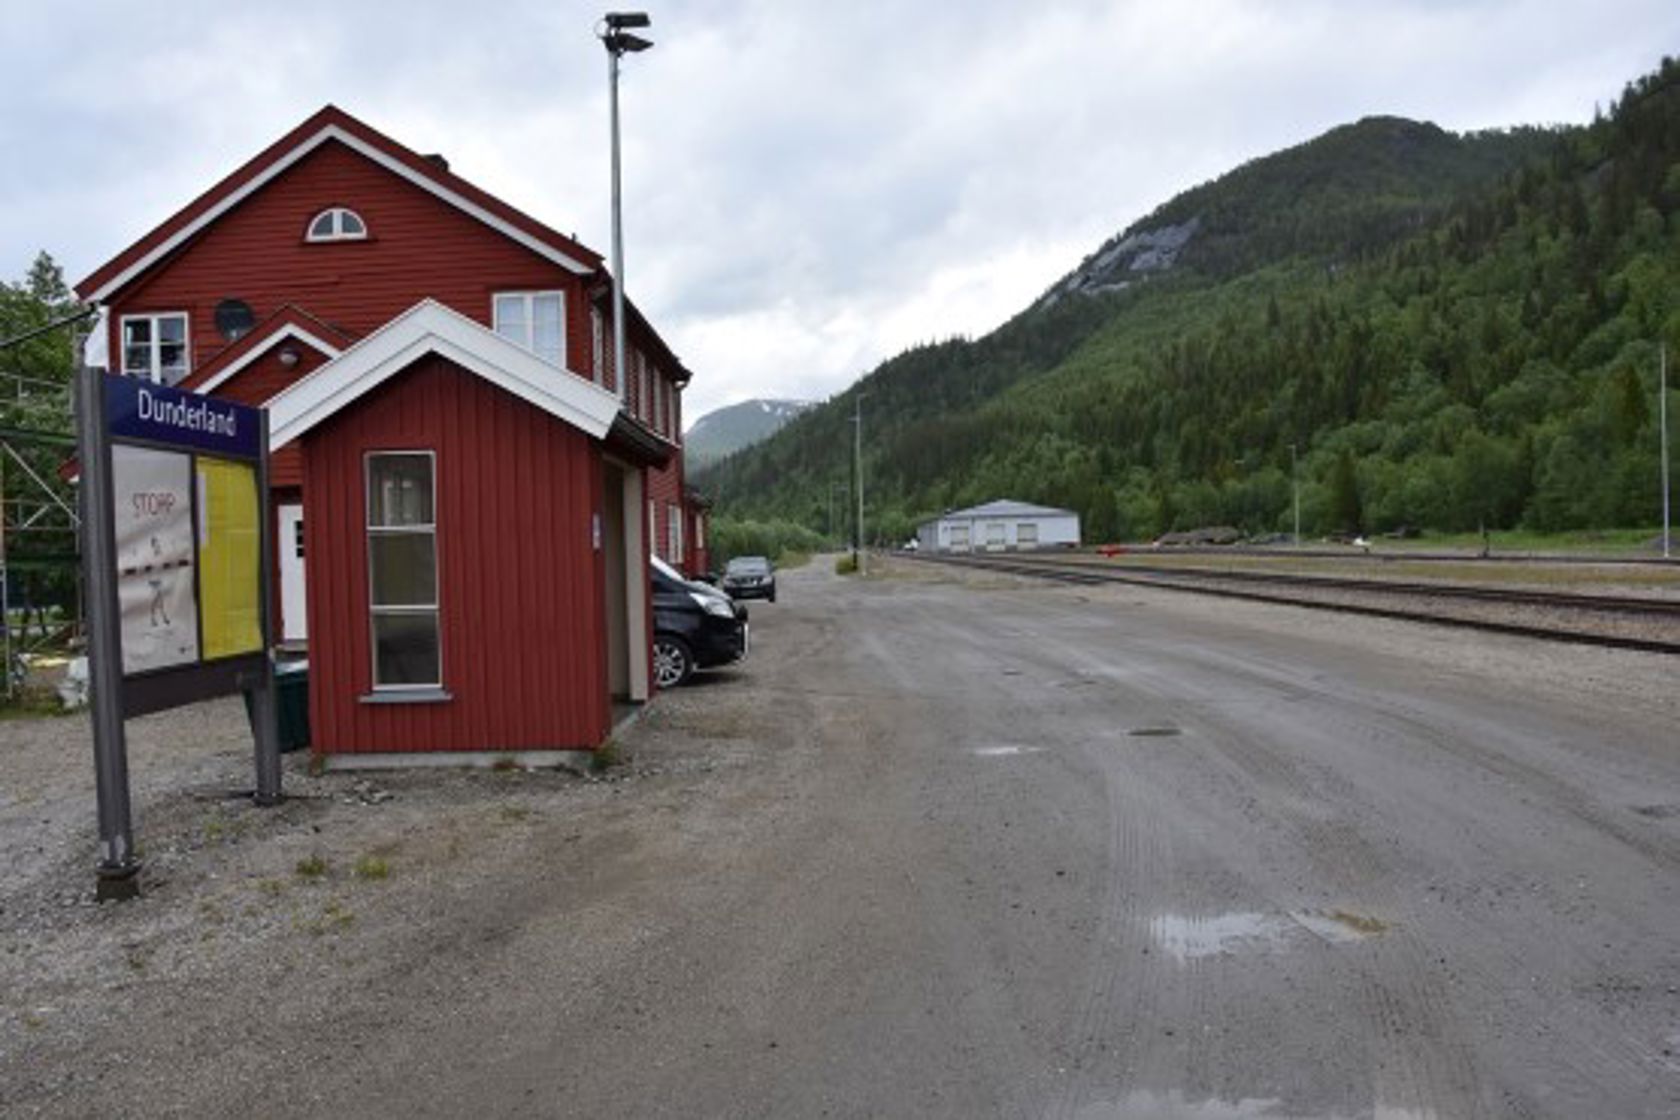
1175 1106
1189 938
1163 732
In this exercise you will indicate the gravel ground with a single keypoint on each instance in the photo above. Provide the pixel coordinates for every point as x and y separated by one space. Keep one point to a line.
952 844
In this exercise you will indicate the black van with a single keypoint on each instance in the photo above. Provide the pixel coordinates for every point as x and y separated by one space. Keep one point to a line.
695 626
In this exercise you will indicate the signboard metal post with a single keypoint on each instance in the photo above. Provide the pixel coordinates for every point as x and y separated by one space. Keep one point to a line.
265 715
119 867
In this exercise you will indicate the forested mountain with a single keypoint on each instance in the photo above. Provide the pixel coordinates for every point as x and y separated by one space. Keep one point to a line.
726 430
1449 331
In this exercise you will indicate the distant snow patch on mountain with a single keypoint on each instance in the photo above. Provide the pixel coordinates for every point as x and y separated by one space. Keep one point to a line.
728 430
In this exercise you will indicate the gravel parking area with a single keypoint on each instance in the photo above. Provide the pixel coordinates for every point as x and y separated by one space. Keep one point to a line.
952 844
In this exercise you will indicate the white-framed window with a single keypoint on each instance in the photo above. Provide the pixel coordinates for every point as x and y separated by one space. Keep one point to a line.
653 525
336 223
155 346
403 570
658 403
598 344
534 320
644 407
673 530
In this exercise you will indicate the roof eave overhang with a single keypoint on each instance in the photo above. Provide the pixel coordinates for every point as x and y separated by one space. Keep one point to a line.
629 437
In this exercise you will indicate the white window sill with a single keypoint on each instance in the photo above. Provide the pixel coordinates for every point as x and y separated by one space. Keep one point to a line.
408 696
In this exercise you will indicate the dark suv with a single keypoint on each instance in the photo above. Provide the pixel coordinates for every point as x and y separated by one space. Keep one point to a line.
694 626
749 577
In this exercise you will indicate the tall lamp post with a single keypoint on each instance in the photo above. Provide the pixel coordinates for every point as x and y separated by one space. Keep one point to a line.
614 36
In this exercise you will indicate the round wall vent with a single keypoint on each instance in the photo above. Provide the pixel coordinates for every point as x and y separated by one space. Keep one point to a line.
234 319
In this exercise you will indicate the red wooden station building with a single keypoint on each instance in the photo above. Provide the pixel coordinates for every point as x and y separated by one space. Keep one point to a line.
464 498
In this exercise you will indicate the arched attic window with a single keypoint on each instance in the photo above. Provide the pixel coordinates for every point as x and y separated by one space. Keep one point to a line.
337 224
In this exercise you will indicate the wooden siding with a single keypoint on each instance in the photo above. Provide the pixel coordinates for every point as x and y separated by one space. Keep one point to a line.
665 489
418 246
332 116
520 585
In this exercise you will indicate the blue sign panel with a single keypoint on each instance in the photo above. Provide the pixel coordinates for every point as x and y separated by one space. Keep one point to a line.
139 409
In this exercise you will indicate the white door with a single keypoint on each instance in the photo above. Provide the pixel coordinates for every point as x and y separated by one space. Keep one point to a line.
294 605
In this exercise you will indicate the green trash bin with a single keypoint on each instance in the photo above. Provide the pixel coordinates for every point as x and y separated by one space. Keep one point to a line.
291 705
291 700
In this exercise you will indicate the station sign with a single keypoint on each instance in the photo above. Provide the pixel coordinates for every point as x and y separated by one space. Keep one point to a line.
186 515
174 515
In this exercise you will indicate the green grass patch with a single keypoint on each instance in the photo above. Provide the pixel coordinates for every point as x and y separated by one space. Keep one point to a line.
312 866
372 867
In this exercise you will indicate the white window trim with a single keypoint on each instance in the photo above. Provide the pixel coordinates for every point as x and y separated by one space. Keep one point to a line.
530 320
674 531
435 609
337 213
157 344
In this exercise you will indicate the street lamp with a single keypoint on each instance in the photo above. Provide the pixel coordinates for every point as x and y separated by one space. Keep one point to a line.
618 41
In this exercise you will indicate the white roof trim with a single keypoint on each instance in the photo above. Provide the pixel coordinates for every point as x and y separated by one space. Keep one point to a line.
257 350
356 144
431 328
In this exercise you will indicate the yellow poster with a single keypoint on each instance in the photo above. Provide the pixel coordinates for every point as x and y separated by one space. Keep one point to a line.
229 585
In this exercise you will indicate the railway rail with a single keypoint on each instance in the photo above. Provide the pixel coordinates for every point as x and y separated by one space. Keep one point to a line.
1642 623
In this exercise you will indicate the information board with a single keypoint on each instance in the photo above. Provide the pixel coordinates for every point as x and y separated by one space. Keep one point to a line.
153 507
229 558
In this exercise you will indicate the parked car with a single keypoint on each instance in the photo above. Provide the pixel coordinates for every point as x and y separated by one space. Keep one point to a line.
749 577
695 626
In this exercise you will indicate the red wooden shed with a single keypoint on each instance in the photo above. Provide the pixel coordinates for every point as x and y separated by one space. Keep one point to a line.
456 493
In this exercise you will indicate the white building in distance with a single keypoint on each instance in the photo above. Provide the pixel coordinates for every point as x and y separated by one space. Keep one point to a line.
1001 526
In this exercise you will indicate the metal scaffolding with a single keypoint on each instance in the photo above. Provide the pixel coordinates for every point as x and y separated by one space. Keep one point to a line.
38 519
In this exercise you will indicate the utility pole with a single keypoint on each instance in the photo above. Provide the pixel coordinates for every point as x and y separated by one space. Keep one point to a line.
1662 413
857 456
1295 479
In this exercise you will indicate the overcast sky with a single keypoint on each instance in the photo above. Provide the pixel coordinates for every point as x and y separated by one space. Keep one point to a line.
810 185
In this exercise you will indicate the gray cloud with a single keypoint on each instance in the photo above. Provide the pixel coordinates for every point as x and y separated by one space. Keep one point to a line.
809 186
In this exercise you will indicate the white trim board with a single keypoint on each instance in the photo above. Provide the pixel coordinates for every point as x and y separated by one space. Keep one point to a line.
257 350
431 328
286 161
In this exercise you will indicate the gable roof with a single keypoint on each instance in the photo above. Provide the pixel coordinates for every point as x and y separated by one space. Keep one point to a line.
427 328
1005 507
332 124
289 322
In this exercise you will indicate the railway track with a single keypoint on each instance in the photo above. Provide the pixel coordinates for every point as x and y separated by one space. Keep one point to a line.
1647 624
